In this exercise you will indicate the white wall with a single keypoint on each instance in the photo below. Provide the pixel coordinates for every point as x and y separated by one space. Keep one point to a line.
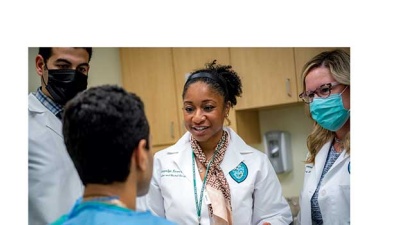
33 78
290 118
105 68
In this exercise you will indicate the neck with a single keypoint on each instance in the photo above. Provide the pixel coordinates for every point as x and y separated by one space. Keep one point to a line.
127 195
340 136
44 89
208 147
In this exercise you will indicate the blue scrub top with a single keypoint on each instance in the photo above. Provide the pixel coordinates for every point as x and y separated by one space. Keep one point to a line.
95 212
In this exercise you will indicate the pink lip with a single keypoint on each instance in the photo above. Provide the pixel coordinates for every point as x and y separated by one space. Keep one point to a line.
199 132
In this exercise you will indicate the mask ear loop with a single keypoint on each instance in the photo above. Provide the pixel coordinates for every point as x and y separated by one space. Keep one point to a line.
343 92
44 81
344 89
45 67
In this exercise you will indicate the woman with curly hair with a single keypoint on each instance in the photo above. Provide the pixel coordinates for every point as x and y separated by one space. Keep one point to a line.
211 176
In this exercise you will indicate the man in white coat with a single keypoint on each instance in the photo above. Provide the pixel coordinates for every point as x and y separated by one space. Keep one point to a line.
54 184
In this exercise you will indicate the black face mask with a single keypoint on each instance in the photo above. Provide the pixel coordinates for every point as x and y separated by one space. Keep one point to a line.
64 84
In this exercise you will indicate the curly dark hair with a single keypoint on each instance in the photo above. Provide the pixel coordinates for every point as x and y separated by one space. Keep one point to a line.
102 126
221 78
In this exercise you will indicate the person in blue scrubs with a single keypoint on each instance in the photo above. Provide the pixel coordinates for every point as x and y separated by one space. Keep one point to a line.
106 134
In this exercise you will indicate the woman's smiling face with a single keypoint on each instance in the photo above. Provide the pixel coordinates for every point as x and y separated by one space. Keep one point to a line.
204 112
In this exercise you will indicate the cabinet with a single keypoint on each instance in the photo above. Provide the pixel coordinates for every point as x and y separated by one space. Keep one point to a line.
302 56
268 76
149 73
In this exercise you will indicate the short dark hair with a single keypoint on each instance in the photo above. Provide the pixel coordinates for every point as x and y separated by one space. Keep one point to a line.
46 53
102 126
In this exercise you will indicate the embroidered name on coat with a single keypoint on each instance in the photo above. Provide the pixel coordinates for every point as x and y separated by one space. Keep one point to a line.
171 173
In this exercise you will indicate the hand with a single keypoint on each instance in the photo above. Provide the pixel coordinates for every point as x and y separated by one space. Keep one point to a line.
266 223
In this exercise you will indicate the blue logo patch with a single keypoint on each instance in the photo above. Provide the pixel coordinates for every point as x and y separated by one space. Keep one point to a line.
348 168
239 174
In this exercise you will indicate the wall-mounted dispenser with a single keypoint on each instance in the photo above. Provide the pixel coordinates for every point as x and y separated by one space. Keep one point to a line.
279 150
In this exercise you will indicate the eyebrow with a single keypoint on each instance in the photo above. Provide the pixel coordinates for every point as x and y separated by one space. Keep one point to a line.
68 62
332 83
202 102
83 64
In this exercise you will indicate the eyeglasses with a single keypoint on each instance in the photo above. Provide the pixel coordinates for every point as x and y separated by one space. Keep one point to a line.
323 91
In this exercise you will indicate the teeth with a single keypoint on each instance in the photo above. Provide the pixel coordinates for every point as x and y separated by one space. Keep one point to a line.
199 128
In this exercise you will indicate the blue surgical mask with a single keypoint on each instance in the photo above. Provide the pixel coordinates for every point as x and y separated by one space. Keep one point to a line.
329 112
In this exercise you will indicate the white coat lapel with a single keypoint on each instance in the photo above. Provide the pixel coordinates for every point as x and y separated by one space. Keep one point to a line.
231 159
54 124
320 160
183 156
343 156
341 159
48 118
233 155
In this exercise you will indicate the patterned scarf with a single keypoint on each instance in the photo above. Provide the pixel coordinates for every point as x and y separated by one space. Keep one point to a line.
216 178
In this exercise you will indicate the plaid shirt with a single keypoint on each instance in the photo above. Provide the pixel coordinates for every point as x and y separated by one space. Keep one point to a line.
55 108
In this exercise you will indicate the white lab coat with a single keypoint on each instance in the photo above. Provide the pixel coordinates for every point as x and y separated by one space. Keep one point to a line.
334 193
54 184
255 200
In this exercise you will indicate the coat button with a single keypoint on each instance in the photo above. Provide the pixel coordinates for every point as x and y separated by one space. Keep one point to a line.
323 192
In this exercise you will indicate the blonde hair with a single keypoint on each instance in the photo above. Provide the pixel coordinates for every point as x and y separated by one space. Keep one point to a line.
338 63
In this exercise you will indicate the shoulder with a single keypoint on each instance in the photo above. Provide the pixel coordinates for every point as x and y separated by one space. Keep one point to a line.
34 105
147 218
239 145
60 220
165 151
161 221
178 147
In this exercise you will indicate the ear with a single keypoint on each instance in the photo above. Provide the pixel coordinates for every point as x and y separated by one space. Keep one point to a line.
141 156
39 65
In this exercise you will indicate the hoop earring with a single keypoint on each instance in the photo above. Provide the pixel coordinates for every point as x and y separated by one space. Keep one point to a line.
228 120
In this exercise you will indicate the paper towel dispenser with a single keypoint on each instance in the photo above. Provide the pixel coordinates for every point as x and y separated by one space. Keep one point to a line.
279 150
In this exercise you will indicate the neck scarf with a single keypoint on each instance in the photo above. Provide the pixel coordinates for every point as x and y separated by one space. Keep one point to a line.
216 183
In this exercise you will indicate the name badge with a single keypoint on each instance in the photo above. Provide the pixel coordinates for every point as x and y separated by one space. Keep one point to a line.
308 168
